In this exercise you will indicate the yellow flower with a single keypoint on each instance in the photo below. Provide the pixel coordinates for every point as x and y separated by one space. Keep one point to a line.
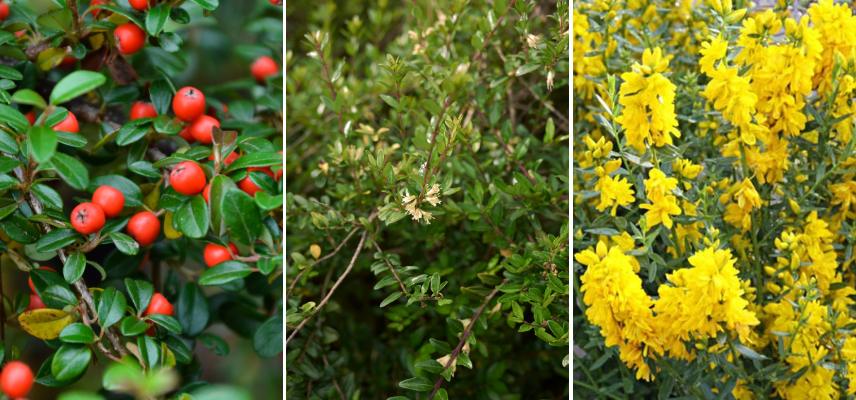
660 211
648 101
614 191
703 301
618 305
686 168
742 199
658 184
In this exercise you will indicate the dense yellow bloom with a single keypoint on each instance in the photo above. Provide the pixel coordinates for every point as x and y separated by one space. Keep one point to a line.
767 102
658 188
703 301
618 304
648 101
836 25
586 65
742 198
699 303
729 92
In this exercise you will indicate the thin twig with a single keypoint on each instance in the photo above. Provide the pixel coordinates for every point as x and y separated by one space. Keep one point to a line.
457 351
391 269
333 290
335 382
75 18
427 173
336 250
329 79
478 55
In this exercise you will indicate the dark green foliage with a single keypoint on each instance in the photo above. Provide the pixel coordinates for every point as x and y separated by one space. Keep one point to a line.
452 108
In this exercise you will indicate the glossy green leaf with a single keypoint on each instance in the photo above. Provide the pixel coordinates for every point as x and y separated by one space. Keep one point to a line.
224 272
111 307
76 84
70 361
74 267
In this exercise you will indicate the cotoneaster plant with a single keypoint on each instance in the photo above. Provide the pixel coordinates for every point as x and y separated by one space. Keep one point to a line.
136 210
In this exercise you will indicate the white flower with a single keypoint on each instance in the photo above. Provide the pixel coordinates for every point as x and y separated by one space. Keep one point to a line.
433 195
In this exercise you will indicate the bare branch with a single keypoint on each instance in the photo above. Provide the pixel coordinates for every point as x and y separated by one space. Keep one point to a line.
467 331
332 290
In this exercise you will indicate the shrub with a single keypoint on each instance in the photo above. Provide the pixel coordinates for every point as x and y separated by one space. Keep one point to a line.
102 187
714 168
428 195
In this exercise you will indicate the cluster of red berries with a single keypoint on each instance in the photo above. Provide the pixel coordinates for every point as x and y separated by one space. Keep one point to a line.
108 202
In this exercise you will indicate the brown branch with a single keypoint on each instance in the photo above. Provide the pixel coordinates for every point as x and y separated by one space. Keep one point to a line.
336 250
329 80
478 55
80 286
332 290
335 382
466 334
427 173
75 18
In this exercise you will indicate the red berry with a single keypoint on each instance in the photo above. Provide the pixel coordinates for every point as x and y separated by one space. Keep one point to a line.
141 109
31 116
129 38
202 129
35 303
206 193
151 330
215 254
188 103
16 380
159 305
30 280
186 135
139 4
94 3
69 124
144 227
4 11
67 62
187 178
228 160
275 2
110 199
87 218
248 185
264 67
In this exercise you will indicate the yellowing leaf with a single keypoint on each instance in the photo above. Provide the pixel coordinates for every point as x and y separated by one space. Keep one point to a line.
96 41
151 199
168 230
50 58
169 356
45 323
315 250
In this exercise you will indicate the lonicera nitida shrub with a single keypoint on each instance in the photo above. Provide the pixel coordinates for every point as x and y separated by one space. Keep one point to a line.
714 199
427 226
141 196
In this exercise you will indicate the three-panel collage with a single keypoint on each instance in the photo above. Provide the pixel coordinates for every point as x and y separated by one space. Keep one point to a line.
427 199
